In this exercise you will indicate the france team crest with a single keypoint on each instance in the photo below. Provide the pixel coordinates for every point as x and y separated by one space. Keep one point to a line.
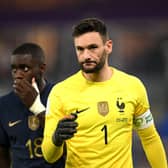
33 122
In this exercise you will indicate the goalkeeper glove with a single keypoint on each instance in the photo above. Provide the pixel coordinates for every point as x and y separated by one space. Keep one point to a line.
66 128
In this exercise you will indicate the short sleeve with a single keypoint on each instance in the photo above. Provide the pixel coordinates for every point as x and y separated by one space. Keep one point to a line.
3 136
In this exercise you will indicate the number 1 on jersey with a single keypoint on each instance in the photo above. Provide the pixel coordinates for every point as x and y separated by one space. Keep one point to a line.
105 133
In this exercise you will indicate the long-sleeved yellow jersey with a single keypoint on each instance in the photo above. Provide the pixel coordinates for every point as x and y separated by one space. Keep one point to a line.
110 111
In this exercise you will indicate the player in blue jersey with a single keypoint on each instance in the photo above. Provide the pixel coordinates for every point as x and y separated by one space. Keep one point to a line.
22 111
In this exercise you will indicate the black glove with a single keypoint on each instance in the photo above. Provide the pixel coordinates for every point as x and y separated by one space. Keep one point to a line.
65 130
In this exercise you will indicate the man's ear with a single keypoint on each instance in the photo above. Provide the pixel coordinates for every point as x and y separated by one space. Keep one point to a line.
43 67
109 46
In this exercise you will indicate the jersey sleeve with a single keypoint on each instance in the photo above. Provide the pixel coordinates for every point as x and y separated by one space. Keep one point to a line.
142 98
3 136
153 147
144 124
142 117
53 114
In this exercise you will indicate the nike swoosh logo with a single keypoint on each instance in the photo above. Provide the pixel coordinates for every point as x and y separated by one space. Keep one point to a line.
77 112
11 124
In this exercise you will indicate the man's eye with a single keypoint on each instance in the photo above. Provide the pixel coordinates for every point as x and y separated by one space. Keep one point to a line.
26 69
13 70
79 48
92 47
22 68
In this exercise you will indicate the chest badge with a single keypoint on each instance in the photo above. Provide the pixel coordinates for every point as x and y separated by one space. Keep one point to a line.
103 108
33 122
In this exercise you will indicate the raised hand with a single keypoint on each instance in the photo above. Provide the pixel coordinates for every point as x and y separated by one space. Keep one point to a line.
66 128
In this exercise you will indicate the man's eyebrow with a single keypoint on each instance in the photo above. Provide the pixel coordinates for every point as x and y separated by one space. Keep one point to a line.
19 65
88 46
79 47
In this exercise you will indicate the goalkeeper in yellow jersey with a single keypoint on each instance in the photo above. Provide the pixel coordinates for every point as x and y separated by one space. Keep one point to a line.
95 110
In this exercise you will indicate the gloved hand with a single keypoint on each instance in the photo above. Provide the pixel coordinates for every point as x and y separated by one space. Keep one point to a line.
66 128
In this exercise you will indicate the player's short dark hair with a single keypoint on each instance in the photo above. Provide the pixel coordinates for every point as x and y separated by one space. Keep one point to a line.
32 49
90 25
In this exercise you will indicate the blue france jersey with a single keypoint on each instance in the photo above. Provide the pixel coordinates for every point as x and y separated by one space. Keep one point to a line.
22 132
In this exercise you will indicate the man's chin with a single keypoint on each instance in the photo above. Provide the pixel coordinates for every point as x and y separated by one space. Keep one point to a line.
89 70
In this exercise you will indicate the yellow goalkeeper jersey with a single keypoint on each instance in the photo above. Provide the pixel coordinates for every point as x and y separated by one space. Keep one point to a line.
107 113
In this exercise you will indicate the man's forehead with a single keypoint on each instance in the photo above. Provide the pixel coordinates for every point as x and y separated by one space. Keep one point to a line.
21 58
88 39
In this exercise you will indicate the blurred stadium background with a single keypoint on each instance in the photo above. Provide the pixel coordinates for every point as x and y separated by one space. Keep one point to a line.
139 30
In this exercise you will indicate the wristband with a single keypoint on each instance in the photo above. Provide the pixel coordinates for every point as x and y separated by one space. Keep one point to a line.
37 107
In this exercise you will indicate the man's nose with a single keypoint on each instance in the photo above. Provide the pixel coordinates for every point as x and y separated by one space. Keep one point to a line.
19 74
86 53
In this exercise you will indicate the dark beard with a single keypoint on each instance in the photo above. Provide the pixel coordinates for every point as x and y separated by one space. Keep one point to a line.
97 68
